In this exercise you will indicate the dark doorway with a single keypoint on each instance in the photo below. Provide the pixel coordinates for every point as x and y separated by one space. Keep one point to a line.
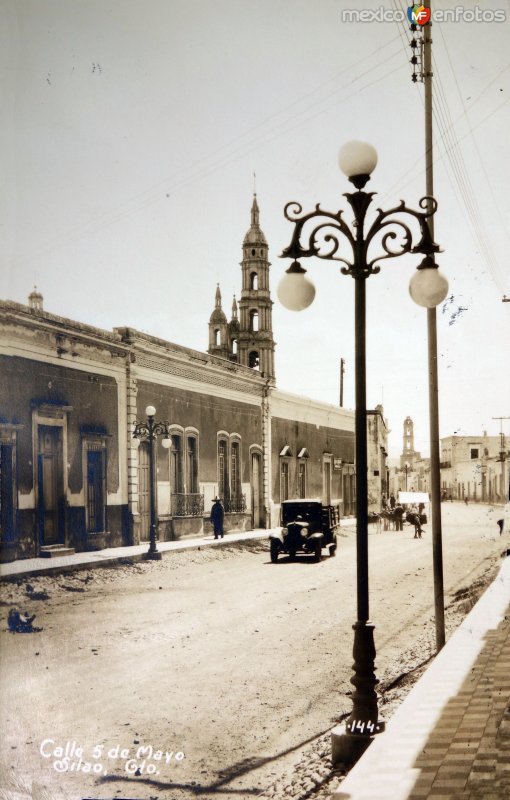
6 493
50 486
95 491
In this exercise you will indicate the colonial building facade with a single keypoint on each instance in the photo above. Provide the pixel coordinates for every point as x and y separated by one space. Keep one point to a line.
71 476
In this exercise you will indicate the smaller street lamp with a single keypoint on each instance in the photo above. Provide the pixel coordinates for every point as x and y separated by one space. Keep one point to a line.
149 431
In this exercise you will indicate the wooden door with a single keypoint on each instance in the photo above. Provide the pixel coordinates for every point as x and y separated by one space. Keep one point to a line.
143 491
50 486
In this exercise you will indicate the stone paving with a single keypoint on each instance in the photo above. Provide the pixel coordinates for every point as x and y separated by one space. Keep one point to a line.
450 738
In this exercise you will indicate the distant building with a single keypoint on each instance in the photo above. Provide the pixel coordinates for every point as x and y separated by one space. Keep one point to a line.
475 467
378 473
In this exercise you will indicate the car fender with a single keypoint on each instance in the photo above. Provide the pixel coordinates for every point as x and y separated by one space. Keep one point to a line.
276 535
316 535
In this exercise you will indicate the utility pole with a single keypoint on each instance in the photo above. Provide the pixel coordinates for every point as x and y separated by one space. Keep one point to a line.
505 490
435 472
342 370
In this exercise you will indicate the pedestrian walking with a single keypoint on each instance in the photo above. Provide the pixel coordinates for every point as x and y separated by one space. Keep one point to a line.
217 516
504 521
398 513
392 501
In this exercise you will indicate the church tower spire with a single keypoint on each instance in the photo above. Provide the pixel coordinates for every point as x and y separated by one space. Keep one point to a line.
255 339
218 340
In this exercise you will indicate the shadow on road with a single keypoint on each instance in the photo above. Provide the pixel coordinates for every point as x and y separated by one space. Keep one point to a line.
229 774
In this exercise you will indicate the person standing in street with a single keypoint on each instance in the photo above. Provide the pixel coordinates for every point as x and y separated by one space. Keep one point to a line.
392 501
398 514
217 515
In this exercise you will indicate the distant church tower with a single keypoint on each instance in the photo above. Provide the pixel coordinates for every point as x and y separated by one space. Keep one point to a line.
248 339
409 454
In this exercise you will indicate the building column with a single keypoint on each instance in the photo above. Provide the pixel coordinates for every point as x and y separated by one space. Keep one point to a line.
132 453
266 452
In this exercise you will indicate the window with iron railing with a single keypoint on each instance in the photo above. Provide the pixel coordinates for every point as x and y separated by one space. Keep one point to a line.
235 505
187 505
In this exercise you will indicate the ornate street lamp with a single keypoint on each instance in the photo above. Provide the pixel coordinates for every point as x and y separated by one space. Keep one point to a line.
149 431
320 233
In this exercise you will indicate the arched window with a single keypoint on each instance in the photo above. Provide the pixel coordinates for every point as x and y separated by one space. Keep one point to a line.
254 281
176 476
235 469
223 489
192 465
234 347
254 320
217 337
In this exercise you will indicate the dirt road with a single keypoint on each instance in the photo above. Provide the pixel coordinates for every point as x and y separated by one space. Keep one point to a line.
205 674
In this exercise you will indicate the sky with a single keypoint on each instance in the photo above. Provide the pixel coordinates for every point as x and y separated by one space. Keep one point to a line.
135 133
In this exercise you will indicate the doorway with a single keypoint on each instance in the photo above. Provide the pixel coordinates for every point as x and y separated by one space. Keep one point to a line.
256 491
50 485
143 491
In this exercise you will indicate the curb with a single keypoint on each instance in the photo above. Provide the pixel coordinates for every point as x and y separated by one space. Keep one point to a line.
7 573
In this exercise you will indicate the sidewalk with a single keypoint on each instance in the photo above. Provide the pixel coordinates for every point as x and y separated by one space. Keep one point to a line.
450 738
114 555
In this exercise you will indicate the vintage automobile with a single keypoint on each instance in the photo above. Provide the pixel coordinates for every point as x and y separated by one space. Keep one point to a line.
306 526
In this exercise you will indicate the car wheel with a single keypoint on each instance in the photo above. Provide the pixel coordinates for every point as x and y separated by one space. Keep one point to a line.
275 549
317 552
332 549
292 555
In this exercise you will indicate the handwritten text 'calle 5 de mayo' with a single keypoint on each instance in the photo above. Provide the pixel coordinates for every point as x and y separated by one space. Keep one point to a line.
143 760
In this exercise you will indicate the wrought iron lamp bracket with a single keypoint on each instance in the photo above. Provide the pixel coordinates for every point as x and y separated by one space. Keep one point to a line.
149 430
324 240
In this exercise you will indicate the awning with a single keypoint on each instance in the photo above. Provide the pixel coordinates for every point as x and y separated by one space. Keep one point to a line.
413 497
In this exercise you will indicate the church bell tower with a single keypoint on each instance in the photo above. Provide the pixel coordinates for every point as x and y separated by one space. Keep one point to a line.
255 338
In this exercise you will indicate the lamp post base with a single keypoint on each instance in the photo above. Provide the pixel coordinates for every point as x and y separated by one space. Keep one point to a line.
346 747
152 555
350 739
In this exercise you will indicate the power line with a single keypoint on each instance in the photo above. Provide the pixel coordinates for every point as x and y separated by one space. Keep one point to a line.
243 144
